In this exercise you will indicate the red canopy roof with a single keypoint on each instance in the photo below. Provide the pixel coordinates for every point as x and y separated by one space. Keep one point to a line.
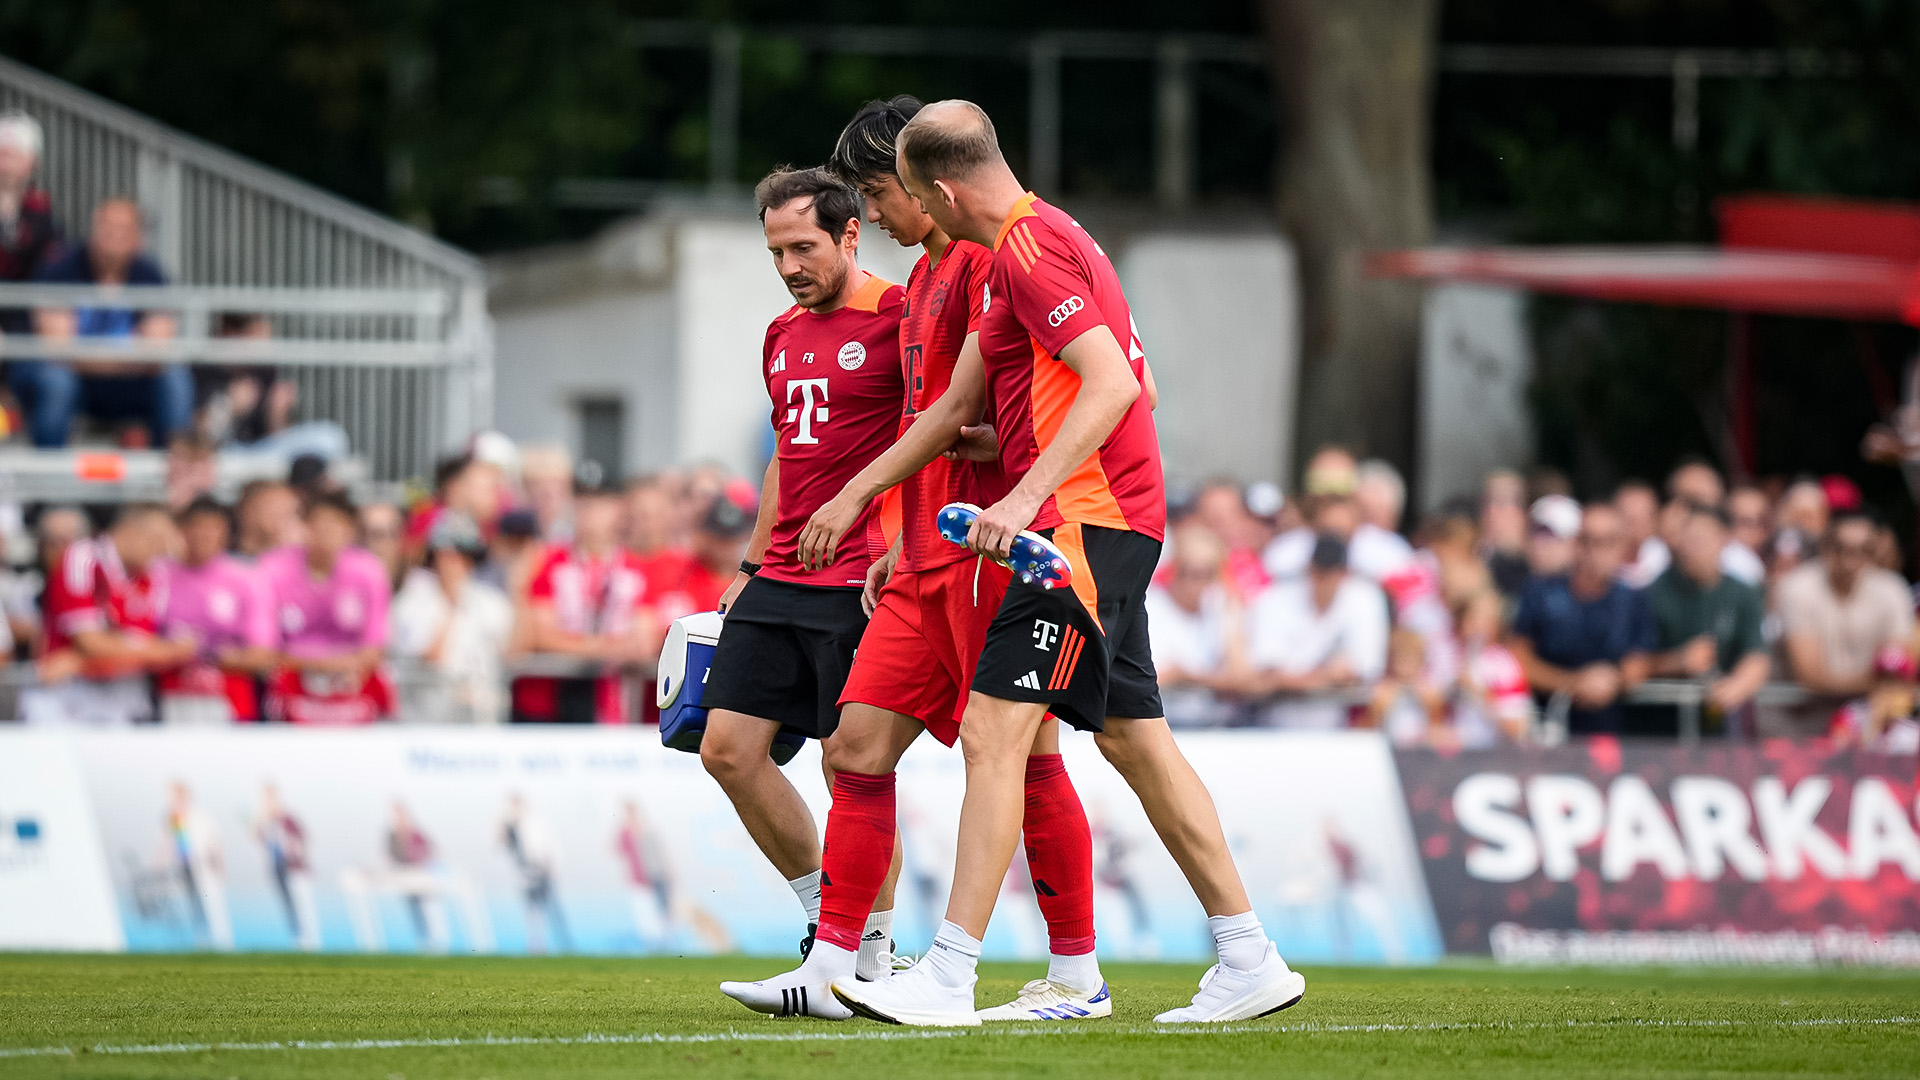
1782 255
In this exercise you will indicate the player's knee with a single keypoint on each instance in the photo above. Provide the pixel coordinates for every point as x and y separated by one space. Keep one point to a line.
1121 751
725 758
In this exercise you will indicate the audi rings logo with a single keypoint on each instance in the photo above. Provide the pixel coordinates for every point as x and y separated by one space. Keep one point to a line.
1065 311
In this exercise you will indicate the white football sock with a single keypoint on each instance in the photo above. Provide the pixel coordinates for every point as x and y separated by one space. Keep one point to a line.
876 945
1239 939
954 956
826 962
1081 973
807 888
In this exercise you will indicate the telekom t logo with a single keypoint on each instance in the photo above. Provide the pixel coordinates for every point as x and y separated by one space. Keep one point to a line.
807 412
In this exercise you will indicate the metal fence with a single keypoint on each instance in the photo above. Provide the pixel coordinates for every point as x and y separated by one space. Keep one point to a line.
236 236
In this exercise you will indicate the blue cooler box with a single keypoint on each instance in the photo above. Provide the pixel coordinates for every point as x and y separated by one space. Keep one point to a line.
682 679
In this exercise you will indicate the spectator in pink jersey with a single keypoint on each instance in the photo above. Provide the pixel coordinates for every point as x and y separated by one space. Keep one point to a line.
330 598
217 603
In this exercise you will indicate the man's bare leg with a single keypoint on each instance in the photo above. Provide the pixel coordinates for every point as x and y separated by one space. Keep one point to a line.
995 739
1179 806
1255 980
735 751
862 830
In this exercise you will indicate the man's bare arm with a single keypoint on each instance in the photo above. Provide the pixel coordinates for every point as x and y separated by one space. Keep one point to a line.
762 530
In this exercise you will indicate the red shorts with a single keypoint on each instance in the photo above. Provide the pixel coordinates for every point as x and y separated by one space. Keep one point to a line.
920 648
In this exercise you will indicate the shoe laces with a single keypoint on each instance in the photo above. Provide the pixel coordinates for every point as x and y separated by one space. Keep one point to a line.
1207 979
900 961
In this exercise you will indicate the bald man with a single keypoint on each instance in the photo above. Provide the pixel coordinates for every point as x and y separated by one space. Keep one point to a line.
1072 403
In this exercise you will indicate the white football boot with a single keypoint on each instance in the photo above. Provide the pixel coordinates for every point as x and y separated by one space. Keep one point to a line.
1044 999
800 992
913 996
1228 994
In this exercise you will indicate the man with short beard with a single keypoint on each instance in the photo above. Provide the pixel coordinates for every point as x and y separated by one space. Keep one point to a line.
832 370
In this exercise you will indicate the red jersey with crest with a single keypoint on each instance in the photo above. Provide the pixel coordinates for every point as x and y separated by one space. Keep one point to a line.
94 591
1050 284
943 307
835 383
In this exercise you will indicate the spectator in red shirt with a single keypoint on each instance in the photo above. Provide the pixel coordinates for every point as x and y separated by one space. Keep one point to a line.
696 579
587 602
103 617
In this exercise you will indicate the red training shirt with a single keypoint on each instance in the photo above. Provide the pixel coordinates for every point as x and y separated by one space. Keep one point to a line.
1050 284
943 307
835 383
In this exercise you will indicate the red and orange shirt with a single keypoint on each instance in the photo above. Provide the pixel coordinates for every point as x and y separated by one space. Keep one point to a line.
1050 284
942 308
94 590
835 383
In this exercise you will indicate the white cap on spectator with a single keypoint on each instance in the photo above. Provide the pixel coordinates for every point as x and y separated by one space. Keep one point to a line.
20 131
1557 514
497 450
1264 499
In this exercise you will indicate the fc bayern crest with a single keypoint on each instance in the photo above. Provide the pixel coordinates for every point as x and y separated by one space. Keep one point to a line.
852 355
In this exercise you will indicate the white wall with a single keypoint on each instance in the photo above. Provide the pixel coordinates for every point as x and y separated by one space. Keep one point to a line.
1476 362
605 345
1220 318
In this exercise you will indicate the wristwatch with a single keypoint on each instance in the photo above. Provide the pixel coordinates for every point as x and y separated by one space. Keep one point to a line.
749 568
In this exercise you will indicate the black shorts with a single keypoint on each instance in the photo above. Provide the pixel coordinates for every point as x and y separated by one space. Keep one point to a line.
1081 651
784 654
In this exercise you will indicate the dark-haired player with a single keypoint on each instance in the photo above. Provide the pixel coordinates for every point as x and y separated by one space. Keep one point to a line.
931 602
832 369
1072 410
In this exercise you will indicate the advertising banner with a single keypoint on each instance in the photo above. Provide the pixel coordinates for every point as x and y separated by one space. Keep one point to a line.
594 840
1625 852
54 892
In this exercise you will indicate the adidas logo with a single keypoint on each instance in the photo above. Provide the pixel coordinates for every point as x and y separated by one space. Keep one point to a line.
1029 681
875 935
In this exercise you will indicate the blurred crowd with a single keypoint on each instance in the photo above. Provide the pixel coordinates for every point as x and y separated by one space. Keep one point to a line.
1756 610
525 587
528 587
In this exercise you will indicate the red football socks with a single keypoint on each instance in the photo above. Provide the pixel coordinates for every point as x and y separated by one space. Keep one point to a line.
1060 854
856 852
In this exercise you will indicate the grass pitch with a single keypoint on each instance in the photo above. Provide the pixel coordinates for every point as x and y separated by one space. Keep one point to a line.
387 1017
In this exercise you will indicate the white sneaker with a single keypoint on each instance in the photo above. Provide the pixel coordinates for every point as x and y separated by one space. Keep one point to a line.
797 993
1228 994
913 996
1044 999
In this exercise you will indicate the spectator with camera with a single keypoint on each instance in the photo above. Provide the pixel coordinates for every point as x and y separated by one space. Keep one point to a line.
455 626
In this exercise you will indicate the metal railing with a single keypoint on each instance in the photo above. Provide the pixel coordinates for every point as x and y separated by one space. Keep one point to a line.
416 679
383 328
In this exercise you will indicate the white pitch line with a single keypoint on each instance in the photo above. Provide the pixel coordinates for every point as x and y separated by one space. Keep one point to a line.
668 1038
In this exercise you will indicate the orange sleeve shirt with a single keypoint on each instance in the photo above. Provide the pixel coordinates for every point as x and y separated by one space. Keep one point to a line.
1051 283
